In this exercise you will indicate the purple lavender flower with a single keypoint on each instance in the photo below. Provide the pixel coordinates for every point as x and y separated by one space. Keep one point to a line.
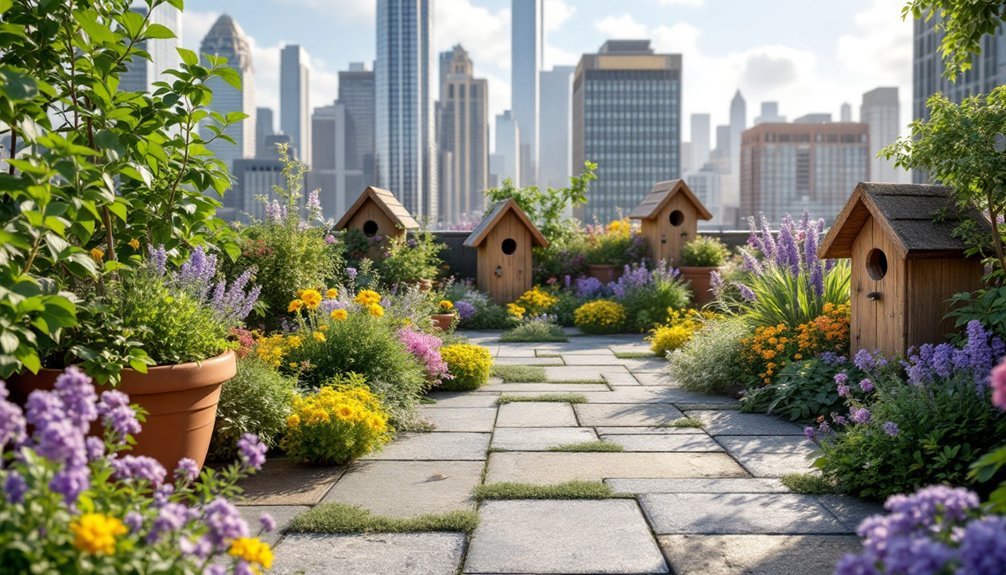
158 259
197 272
224 522
839 419
133 521
567 281
74 389
866 385
42 408
864 360
12 422
809 433
860 415
70 482
140 468
465 310
788 255
187 470
716 284
252 451
274 212
891 428
983 547
823 427
746 293
751 263
351 274
62 442
267 522
117 416
855 565
15 487
330 239
313 205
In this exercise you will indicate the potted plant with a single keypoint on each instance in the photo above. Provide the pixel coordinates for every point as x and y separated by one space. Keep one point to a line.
444 320
611 248
699 258
171 328
415 260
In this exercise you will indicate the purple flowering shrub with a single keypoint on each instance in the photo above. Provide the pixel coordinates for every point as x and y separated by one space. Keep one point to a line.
784 282
647 294
912 423
69 499
935 530
425 347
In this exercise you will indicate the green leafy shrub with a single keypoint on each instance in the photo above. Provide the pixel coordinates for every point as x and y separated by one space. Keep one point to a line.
614 244
704 251
257 400
649 296
987 306
469 365
802 391
537 329
600 317
411 259
337 424
710 361
474 308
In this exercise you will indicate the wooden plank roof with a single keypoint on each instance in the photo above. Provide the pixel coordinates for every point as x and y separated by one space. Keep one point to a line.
490 220
919 218
388 203
662 193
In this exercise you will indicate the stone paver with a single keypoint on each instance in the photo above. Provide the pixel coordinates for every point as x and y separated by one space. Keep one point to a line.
528 361
659 443
849 510
580 373
620 379
627 415
632 430
283 482
374 554
281 514
539 438
546 468
737 423
654 378
407 488
459 399
771 456
436 446
738 513
536 414
756 554
730 485
563 537
545 387
460 418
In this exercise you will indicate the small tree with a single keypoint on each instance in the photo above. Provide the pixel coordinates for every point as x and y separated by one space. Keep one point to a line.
964 22
545 207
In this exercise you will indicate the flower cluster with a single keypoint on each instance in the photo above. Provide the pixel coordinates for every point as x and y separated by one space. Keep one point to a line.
930 363
426 348
336 425
446 306
771 348
938 529
232 304
468 365
536 301
600 316
680 327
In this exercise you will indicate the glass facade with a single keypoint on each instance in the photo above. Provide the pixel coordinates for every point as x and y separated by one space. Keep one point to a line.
228 40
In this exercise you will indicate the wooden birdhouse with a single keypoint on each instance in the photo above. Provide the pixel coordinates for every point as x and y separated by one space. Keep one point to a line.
378 213
905 265
504 240
669 216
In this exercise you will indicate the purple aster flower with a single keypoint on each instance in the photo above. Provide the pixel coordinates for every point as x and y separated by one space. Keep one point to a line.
187 470
465 310
70 482
864 360
983 547
866 385
252 451
860 415
855 565
267 522
42 408
95 448
843 390
14 487
831 358
170 517
587 288
12 422
74 389
140 468
133 521
351 273
224 522
62 442
163 494
809 433
841 378
891 428
917 554
117 416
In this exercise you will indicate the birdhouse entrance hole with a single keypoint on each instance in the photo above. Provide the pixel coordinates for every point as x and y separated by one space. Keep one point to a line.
509 246
876 264
370 228
677 218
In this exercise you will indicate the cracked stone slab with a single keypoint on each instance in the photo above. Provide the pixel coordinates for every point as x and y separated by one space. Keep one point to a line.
850 510
665 443
408 488
729 485
460 418
756 554
463 399
283 482
568 537
281 514
557 467
738 513
771 456
369 554
626 415
435 446
536 414
620 379
729 422
539 438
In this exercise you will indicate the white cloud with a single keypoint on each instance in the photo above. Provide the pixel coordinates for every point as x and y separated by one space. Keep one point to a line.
683 2
195 25
356 10
621 27
879 51
485 34
557 13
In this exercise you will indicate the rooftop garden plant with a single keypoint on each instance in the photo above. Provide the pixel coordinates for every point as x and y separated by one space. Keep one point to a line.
704 251
411 259
614 244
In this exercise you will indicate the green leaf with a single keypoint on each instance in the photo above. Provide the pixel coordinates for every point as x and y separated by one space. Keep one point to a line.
159 32
188 56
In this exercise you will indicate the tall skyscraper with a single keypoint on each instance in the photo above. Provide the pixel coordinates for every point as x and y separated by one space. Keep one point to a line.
294 100
227 39
738 123
263 129
846 112
405 138
254 179
463 139
526 48
356 93
141 73
337 183
627 119
555 161
506 164
700 140
881 111
792 168
769 114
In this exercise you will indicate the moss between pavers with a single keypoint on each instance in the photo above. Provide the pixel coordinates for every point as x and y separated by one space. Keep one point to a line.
567 490
546 397
342 518
589 447
683 422
808 484
518 373
635 354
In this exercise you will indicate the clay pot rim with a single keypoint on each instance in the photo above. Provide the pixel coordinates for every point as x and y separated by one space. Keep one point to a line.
684 269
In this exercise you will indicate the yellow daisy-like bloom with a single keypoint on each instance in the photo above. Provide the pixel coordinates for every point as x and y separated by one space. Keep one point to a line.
446 305
311 298
295 305
294 341
339 314
375 310
293 420
332 293
96 533
253 550
318 336
97 254
322 328
345 412
293 364
134 243
367 297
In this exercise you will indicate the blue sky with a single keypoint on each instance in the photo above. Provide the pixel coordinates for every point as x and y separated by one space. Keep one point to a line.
808 55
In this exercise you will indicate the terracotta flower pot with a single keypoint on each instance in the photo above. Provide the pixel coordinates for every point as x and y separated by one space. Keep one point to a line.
425 285
700 281
605 273
443 321
180 400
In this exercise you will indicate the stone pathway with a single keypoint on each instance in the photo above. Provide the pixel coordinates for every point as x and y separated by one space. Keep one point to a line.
691 500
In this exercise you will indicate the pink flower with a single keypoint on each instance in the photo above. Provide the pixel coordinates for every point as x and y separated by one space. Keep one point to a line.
999 385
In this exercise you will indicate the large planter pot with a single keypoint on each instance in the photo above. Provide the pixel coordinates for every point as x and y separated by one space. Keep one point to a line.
180 400
443 321
605 273
425 285
699 278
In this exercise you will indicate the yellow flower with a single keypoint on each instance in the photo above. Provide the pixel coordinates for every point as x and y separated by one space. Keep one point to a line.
318 336
332 293
96 533
367 297
339 314
293 420
311 298
515 310
322 328
252 550
295 305
446 305
294 341
97 254
134 243
375 310
293 364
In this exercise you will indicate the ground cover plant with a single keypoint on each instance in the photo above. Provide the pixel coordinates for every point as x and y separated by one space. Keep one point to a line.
567 490
342 518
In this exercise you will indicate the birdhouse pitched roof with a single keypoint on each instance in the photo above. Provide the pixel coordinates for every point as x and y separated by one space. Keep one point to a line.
919 218
662 193
494 216
388 203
